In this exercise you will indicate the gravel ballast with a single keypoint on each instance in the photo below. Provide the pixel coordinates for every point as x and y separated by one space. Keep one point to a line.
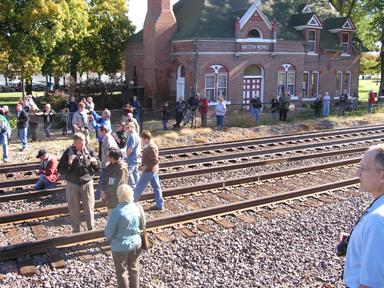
291 250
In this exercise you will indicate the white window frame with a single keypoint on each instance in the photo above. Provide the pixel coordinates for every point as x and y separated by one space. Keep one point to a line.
211 88
285 83
349 81
345 45
317 84
341 83
220 87
306 84
313 42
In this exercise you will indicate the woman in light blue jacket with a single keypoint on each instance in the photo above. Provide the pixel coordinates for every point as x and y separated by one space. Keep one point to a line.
220 109
123 233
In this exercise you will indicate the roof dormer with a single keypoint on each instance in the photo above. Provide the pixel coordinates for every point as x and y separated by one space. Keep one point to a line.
307 20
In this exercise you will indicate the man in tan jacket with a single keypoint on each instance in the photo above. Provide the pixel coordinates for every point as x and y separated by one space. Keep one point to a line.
150 167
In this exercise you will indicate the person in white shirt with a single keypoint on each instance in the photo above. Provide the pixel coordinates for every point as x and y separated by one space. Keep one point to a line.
220 110
364 262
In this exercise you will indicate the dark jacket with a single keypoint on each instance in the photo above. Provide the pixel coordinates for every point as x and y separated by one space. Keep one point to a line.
256 103
123 137
72 106
22 120
46 118
81 170
165 114
115 175
275 105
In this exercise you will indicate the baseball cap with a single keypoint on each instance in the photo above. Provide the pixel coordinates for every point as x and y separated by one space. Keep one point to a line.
41 152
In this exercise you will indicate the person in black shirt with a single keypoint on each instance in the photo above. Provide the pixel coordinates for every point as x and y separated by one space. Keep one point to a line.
77 166
22 126
121 137
165 115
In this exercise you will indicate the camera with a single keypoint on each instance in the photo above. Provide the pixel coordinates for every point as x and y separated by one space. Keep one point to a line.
341 248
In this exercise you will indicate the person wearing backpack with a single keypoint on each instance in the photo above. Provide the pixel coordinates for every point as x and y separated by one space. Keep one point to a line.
179 112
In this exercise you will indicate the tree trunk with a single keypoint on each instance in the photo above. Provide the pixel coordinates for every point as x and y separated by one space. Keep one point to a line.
382 63
22 87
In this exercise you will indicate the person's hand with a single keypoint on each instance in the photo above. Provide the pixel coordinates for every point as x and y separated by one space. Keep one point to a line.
343 236
36 172
93 160
71 158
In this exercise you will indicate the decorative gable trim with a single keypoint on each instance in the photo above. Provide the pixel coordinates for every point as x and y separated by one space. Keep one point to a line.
251 11
348 25
306 9
313 23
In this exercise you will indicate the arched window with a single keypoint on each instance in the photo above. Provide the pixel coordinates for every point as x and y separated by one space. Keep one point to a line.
286 79
180 81
216 83
254 33
253 70
180 71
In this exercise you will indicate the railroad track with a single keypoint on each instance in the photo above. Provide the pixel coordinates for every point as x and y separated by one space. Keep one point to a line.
237 146
62 210
176 221
206 164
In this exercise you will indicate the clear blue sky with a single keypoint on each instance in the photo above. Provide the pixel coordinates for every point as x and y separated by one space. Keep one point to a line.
137 11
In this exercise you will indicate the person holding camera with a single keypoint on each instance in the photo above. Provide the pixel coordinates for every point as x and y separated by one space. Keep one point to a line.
107 142
364 262
80 122
77 166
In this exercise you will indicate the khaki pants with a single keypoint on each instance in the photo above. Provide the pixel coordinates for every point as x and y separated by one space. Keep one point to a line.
86 134
127 264
84 193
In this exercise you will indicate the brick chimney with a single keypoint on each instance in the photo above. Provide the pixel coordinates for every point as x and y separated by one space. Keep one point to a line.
159 27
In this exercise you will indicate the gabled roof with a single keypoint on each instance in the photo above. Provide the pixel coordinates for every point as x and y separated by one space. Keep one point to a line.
335 23
215 18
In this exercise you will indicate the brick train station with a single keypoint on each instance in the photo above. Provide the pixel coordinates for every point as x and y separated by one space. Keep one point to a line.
237 49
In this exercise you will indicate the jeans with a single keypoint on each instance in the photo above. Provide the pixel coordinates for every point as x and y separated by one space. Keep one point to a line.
100 184
4 142
133 174
153 179
274 117
220 121
47 127
22 133
164 122
326 107
370 107
70 126
256 112
283 114
43 183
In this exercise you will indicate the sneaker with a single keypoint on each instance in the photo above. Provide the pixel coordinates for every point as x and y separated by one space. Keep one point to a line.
5 160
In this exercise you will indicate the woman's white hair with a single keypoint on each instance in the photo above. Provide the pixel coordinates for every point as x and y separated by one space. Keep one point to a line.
125 193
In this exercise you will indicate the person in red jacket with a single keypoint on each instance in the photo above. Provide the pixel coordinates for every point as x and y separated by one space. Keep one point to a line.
48 171
204 111
371 100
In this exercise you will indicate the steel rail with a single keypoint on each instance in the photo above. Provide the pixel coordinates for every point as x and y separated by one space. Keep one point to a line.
269 139
63 209
176 163
13 196
10 168
41 246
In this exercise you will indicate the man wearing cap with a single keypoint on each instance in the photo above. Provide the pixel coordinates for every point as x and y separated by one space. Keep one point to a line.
47 172
22 126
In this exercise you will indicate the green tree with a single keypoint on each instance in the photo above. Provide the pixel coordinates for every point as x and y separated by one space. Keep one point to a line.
344 7
102 51
29 31
369 19
369 64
